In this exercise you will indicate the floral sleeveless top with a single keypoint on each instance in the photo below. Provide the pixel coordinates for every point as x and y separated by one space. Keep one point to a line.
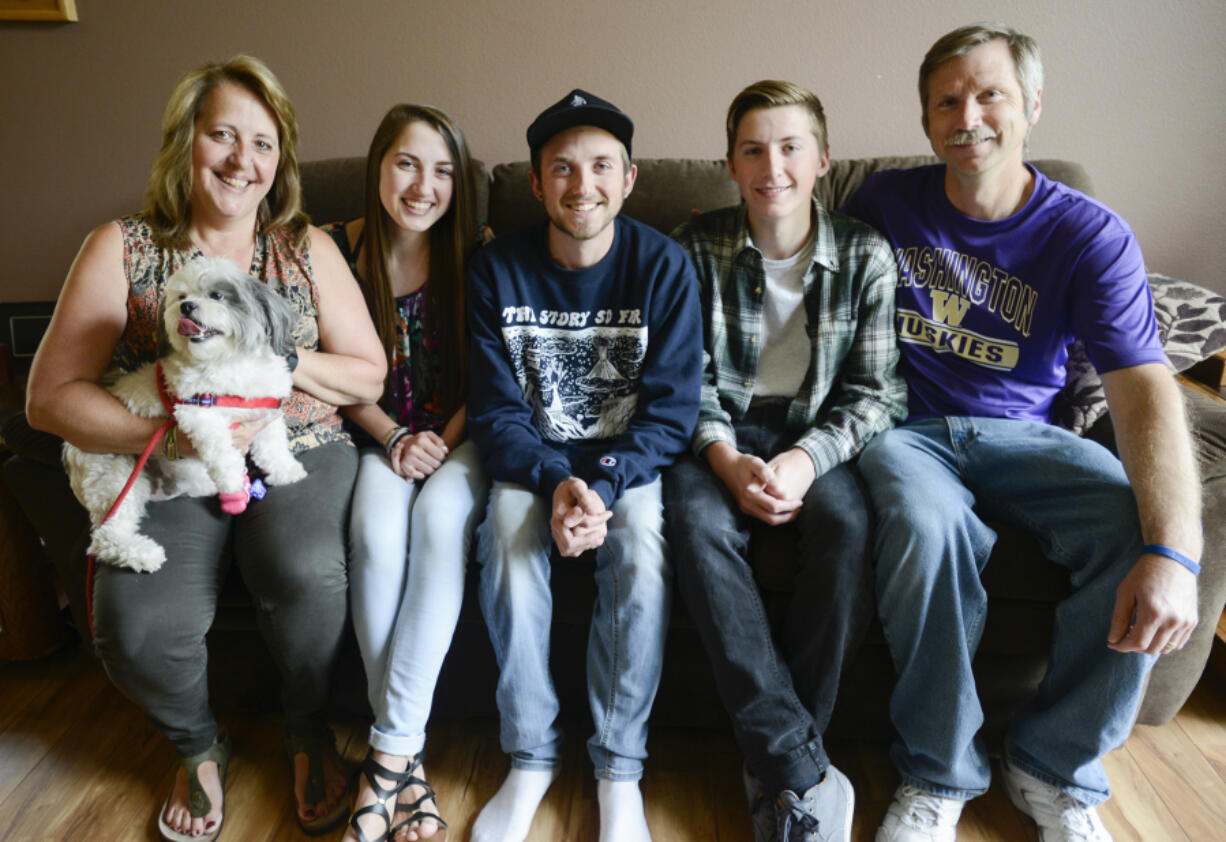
413 399
277 261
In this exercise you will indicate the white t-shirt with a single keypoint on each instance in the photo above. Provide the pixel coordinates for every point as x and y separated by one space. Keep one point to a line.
785 344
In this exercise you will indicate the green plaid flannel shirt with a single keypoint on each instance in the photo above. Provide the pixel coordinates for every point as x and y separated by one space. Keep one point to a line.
852 389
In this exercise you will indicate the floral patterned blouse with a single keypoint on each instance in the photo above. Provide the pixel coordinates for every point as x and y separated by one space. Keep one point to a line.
277 261
413 399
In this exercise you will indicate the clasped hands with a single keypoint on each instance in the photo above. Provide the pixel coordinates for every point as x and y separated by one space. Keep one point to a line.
774 491
579 519
417 456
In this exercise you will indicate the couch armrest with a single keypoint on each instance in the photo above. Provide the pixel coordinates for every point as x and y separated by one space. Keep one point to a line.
1211 371
1175 675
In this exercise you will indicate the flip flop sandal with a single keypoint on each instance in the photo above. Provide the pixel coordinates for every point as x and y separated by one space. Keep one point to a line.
198 802
418 815
313 745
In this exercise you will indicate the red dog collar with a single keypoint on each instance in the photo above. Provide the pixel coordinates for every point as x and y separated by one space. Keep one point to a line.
169 400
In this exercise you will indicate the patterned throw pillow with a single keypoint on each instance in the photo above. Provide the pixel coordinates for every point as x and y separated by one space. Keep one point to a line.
1081 402
1192 326
1191 320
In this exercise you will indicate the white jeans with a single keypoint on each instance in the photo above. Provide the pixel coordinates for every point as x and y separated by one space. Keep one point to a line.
409 545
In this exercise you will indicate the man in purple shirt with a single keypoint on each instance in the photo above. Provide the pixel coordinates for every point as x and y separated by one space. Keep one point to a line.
999 270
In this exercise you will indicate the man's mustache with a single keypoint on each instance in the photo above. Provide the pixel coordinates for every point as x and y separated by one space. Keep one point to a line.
965 138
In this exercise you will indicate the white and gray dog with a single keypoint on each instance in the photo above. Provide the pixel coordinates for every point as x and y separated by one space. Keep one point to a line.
221 332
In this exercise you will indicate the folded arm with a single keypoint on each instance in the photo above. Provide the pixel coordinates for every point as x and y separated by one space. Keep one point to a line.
668 392
499 419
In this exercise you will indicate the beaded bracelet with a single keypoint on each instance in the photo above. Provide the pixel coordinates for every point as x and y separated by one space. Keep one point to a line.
394 435
390 434
170 444
1173 555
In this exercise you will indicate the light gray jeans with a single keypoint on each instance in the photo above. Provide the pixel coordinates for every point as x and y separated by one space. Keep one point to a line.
409 544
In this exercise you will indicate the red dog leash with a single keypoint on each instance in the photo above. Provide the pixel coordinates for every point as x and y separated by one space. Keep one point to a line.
168 401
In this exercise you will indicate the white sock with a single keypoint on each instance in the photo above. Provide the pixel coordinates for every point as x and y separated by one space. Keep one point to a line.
508 815
621 812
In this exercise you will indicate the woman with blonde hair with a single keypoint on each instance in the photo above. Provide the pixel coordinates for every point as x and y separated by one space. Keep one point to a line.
224 184
420 487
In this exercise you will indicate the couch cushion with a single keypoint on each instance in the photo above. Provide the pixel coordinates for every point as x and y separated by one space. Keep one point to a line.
669 190
846 175
332 189
666 193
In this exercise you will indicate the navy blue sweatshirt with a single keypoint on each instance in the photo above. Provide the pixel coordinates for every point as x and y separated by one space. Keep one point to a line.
593 372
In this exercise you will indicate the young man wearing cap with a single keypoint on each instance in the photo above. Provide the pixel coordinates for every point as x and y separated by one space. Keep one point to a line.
800 375
1000 269
585 367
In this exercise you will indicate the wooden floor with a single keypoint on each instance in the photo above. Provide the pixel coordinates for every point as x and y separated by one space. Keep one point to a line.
78 762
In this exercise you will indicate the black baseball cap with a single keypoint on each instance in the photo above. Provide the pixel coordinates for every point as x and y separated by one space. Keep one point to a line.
579 108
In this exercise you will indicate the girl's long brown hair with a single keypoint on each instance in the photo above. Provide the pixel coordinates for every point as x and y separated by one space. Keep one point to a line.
452 241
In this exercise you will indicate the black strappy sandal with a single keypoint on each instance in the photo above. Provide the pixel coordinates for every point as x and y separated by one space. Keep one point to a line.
418 815
373 770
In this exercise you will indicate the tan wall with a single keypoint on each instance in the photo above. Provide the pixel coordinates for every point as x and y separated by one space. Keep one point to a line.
1134 91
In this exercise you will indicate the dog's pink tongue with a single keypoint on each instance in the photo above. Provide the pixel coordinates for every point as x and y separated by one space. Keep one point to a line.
189 328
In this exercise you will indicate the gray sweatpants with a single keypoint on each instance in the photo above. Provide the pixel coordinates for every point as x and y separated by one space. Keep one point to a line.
290 550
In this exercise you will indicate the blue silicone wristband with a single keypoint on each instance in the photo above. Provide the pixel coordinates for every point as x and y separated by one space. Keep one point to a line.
1173 555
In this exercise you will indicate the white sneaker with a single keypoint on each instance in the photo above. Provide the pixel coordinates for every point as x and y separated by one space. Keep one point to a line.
918 816
1060 816
761 810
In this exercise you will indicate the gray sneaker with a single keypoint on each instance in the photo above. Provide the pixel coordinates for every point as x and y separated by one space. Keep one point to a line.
761 810
821 814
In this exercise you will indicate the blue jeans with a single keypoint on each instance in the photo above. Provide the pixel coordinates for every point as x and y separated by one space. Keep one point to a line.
625 643
930 482
779 697
409 546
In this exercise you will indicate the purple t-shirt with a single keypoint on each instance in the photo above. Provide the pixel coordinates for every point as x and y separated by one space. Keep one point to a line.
987 309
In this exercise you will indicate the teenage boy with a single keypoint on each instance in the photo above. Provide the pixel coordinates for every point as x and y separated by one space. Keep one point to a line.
585 373
1001 268
799 374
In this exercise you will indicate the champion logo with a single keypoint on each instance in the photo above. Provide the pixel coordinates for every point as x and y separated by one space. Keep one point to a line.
576 101
608 461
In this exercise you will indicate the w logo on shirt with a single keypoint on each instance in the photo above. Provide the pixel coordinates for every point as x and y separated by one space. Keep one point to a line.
948 308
